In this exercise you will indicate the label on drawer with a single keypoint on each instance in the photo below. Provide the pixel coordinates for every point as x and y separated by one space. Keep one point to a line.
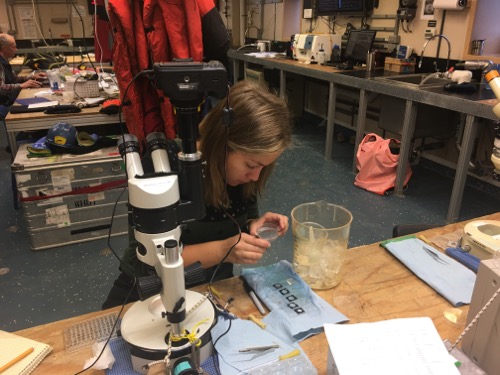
61 180
58 216
94 197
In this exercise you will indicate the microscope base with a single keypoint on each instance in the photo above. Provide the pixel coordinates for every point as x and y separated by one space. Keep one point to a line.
145 330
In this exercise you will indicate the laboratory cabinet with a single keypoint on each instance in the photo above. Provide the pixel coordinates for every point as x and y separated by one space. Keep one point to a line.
68 198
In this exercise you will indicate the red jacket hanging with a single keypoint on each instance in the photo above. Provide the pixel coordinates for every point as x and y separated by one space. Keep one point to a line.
159 31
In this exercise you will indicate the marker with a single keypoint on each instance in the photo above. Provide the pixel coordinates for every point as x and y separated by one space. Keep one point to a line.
254 297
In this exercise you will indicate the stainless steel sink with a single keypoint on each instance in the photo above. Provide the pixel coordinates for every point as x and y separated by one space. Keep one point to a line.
417 80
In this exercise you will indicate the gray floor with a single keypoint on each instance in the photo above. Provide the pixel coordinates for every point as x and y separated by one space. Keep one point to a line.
37 287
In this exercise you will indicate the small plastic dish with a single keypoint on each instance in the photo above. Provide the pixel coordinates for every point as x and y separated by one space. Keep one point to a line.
268 231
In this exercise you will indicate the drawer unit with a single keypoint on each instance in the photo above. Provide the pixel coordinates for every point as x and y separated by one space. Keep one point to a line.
62 174
68 199
78 232
74 209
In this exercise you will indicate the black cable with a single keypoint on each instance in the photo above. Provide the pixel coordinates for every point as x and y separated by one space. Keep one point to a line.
216 357
224 194
441 30
109 239
112 330
83 38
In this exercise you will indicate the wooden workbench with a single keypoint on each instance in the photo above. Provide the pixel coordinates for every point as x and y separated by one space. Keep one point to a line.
376 286
18 122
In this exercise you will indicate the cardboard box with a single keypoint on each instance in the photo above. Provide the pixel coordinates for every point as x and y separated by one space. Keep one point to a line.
399 66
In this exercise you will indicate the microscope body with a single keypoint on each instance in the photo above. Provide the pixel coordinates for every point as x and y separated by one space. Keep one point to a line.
160 203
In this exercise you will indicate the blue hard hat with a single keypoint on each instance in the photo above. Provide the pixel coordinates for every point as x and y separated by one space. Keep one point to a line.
62 134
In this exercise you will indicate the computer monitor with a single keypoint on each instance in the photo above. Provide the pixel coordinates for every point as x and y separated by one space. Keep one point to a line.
359 43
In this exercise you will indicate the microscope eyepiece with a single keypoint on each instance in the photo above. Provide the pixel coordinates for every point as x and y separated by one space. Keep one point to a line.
128 143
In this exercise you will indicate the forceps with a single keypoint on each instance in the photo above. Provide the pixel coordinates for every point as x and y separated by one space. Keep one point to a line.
434 255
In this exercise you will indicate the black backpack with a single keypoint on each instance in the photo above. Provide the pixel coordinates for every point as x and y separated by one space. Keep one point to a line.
43 61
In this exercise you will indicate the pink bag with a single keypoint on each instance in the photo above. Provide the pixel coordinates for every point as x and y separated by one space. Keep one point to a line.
377 164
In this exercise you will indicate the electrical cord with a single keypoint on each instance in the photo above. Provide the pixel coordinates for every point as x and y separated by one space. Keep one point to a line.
112 330
123 265
83 38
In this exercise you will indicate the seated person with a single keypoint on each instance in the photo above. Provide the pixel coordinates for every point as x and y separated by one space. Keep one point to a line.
235 174
10 83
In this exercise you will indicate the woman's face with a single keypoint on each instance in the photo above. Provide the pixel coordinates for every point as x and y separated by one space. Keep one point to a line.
242 168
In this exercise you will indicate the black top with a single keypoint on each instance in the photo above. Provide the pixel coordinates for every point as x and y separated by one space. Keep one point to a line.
215 226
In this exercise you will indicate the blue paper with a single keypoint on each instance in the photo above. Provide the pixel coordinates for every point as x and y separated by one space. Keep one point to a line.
296 311
243 334
445 275
28 101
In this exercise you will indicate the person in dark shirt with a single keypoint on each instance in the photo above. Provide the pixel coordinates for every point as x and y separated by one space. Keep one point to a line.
260 132
10 83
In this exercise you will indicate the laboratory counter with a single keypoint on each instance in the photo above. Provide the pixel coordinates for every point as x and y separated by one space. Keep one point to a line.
375 287
472 107
478 103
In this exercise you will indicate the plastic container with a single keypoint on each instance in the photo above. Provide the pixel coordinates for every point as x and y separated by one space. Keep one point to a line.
268 231
493 79
321 235
54 80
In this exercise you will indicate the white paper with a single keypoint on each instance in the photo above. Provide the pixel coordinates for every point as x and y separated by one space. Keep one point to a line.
409 346
44 104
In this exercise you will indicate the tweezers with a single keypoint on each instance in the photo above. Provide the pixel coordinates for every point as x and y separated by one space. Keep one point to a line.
434 255
259 348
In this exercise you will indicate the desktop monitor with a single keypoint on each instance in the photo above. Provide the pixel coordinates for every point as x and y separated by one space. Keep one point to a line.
360 8
359 43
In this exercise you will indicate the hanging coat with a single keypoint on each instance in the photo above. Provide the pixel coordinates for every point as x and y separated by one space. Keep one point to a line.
159 31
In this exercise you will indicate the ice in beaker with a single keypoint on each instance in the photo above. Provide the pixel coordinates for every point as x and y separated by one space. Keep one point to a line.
321 235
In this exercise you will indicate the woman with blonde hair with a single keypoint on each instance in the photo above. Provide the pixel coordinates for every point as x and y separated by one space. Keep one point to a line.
239 158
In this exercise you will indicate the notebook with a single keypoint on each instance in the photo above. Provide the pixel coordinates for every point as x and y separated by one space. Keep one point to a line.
12 346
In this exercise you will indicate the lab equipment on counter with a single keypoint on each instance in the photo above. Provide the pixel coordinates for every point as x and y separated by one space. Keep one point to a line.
482 238
459 76
493 79
321 235
306 47
481 338
155 327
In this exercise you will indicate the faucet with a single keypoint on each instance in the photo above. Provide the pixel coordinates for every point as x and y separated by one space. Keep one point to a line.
259 31
435 62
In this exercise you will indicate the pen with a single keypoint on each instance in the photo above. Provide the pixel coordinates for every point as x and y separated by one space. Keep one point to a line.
254 297
17 359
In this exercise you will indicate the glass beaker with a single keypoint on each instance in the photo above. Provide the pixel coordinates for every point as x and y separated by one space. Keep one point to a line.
321 234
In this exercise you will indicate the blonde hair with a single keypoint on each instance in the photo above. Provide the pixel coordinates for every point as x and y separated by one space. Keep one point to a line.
262 124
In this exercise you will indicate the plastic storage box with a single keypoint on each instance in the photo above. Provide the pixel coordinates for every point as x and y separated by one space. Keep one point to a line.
68 198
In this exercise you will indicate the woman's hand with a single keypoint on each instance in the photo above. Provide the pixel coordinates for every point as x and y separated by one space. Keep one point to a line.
270 217
248 251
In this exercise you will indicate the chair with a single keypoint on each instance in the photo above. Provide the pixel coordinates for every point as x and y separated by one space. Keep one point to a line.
406 229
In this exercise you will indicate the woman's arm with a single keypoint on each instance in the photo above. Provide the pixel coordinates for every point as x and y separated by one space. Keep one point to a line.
248 250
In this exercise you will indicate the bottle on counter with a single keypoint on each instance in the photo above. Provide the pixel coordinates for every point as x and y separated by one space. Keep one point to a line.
321 56
493 79
336 54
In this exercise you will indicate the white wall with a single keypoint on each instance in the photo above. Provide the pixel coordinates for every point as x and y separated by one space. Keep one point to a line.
57 15
283 19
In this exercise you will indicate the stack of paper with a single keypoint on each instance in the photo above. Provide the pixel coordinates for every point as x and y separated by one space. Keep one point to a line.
19 355
409 346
